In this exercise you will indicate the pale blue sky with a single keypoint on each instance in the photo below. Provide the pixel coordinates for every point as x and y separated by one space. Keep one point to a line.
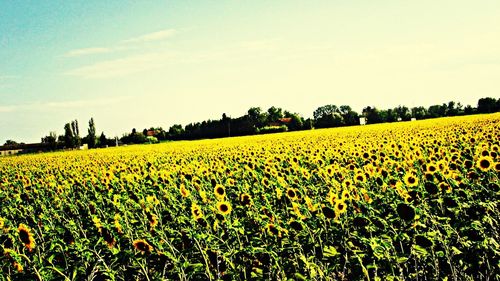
156 63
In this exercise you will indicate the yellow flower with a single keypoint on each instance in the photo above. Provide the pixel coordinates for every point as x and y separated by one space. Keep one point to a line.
411 180
220 192
484 163
224 208
184 191
196 211
26 237
142 246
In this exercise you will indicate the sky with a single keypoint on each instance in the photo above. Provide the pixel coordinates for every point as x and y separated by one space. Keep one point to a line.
138 64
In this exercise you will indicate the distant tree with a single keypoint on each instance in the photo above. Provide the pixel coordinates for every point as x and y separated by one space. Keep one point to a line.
391 116
51 139
350 117
403 112
76 134
68 136
468 110
325 110
103 141
435 111
419 112
274 113
10 142
91 137
372 115
452 109
257 117
328 116
175 131
308 124
487 105
296 122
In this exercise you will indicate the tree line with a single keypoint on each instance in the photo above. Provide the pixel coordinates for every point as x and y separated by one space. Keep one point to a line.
258 121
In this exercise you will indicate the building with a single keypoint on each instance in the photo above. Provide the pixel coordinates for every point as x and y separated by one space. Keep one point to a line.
281 122
6 150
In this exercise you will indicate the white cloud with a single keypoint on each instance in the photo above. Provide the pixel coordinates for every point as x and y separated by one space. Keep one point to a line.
41 106
155 36
121 67
87 51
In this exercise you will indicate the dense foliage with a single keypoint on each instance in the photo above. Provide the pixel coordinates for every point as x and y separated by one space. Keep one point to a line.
380 202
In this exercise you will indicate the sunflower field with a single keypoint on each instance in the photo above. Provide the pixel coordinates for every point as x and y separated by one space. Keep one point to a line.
403 201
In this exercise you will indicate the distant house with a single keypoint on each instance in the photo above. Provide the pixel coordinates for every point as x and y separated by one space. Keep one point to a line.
362 120
6 150
281 122
152 133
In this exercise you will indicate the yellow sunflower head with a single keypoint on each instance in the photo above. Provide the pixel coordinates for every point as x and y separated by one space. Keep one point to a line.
220 192
142 246
484 163
224 208
26 237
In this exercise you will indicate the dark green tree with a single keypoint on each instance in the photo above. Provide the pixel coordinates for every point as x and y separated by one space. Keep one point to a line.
274 113
10 142
91 137
68 136
103 141
487 105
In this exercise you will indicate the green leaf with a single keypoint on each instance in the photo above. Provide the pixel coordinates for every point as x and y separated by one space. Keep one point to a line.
401 259
330 251
299 276
455 250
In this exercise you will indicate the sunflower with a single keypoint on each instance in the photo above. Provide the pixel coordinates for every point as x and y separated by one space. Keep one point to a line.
117 224
152 218
431 168
18 267
340 207
347 183
328 212
497 167
196 211
265 181
346 196
331 198
360 178
310 204
220 192
224 207
26 237
484 163
230 182
291 194
142 246
410 180
405 212
184 191
108 238
295 225
245 199
272 230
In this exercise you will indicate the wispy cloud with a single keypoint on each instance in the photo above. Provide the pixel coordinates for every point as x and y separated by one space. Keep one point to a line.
149 37
122 66
51 105
155 36
87 51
